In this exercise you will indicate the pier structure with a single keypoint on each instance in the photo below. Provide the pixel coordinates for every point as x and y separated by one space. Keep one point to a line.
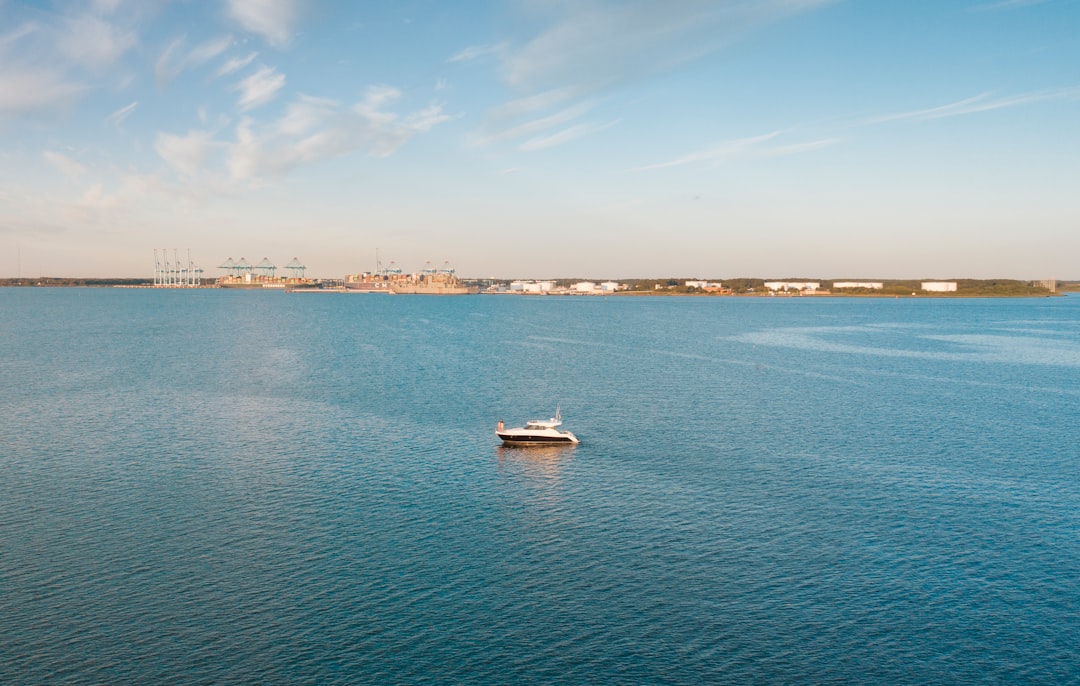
296 267
175 274
229 266
243 274
265 268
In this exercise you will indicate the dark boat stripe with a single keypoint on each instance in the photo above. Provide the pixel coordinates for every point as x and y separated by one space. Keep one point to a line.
535 439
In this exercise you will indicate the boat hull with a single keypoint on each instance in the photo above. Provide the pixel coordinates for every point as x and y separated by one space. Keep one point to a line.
532 439
367 286
433 290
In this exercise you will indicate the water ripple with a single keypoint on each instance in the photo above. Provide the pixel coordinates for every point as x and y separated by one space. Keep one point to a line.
757 497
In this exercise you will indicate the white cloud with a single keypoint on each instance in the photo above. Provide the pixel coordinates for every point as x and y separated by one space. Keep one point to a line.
93 42
305 115
271 19
117 118
185 154
64 164
377 97
315 129
129 191
236 64
33 78
106 6
311 130
259 88
96 198
24 90
424 120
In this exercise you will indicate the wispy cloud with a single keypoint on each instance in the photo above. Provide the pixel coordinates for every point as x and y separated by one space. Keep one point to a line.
51 61
743 148
528 105
117 118
765 145
175 59
984 102
564 136
590 47
204 52
235 64
605 43
271 19
474 52
64 164
1003 5
316 129
532 127
798 148
259 88
311 130
19 32
724 151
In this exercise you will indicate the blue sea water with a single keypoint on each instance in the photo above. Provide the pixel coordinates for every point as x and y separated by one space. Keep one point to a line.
249 487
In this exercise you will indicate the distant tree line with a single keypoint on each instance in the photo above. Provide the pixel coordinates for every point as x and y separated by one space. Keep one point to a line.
57 281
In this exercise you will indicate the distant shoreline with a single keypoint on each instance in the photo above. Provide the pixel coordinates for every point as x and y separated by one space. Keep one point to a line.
968 288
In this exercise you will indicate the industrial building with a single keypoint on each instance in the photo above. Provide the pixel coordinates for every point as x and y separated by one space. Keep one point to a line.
858 284
531 286
939 286
792 285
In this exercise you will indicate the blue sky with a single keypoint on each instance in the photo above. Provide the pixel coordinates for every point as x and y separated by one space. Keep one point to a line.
544 138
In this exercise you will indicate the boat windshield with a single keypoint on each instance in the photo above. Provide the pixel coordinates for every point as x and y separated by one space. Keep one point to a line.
541 424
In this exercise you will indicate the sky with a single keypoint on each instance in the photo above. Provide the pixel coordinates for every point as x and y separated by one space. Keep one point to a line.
544 138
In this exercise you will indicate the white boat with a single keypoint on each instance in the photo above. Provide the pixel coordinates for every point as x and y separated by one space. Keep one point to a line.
537 432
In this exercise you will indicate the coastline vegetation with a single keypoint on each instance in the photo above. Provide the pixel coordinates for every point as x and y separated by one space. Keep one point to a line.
61 281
